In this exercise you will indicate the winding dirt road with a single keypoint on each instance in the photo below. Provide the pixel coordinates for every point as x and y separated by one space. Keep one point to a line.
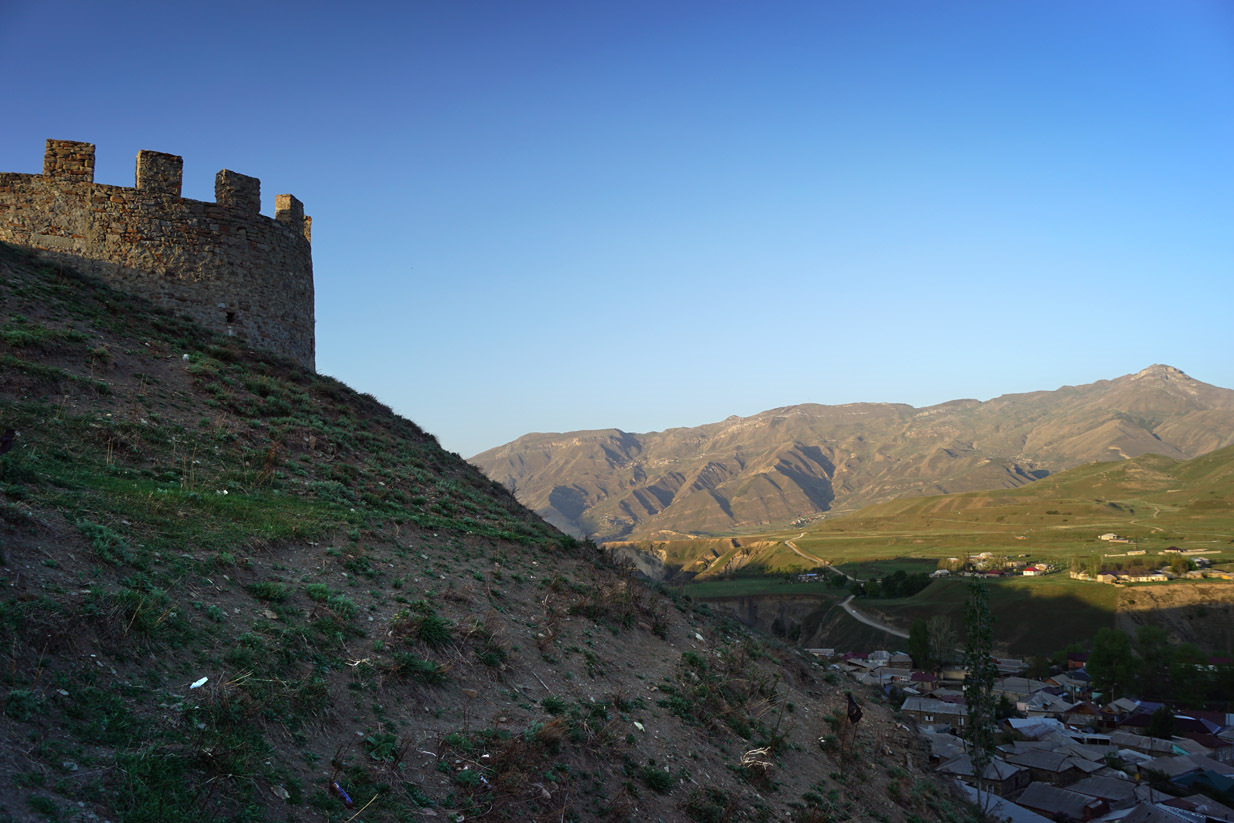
800 553
817 560
846 604
1156 514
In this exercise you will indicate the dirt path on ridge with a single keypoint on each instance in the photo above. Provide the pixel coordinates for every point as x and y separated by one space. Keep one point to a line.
817 560
1156 514
800 553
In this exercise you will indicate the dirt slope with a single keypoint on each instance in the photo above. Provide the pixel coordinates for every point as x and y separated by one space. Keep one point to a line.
1201 614
234 590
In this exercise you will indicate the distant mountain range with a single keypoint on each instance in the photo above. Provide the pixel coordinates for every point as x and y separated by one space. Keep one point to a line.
801 461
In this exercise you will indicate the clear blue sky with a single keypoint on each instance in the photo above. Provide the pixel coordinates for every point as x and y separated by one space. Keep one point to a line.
546 216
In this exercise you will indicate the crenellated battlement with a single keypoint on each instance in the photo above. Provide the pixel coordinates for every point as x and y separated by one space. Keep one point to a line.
222 263
69 161
159 173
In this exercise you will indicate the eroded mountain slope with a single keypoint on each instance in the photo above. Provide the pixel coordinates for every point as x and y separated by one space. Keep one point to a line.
800 461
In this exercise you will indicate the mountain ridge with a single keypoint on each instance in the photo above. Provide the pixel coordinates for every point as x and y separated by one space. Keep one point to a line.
805 460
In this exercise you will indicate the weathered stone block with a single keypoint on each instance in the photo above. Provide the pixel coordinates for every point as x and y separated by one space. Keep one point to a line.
239 191
288 209
159 173
69 160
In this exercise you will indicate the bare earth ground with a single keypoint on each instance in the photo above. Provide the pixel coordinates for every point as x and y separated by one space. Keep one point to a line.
1199 613
370 615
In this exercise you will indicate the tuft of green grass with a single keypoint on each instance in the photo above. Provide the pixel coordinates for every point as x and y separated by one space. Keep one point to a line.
339 603
420 620
107 544
419 669
656 779
270 590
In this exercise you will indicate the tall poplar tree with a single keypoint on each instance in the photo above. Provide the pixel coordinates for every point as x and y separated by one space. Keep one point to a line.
1110 664
979 681
919 645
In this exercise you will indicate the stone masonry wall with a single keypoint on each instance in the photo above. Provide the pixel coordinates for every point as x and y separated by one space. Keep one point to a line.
223 263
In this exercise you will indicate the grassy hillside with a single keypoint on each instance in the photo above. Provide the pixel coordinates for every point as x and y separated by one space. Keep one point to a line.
1032 616
231 589
1076 610
1155 501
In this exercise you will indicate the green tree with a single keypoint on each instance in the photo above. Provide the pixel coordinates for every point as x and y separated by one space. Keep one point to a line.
1188 675
979 682
943 639
919 645
1038 667
1110 664
1059 658
1093 565
1221 682
1153 645
1161 724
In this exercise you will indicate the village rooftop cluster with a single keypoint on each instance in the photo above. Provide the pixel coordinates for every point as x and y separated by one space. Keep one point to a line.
1062 756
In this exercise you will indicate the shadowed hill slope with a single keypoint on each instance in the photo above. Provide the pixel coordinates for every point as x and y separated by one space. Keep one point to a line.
231 589
800 461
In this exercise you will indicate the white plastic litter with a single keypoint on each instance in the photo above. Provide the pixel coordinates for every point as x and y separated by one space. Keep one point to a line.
199 683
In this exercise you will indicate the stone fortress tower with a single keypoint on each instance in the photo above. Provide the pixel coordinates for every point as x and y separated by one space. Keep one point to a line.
222 264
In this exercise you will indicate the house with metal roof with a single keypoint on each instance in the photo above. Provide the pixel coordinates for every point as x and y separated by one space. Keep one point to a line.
1061 804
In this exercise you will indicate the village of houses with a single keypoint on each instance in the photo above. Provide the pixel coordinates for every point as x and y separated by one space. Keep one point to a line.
1195 567
1067 758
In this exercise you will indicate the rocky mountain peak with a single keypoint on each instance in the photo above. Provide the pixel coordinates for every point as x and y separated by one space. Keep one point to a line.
1160 372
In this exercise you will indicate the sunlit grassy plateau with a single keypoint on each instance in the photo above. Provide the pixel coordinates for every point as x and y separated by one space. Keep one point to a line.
1155 502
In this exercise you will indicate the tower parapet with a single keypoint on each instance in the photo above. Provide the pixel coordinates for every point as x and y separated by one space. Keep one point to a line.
224 264
69 161
159 173
238 191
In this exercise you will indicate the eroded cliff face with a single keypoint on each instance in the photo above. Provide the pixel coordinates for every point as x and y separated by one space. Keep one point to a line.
1199 613
650 564
779 615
